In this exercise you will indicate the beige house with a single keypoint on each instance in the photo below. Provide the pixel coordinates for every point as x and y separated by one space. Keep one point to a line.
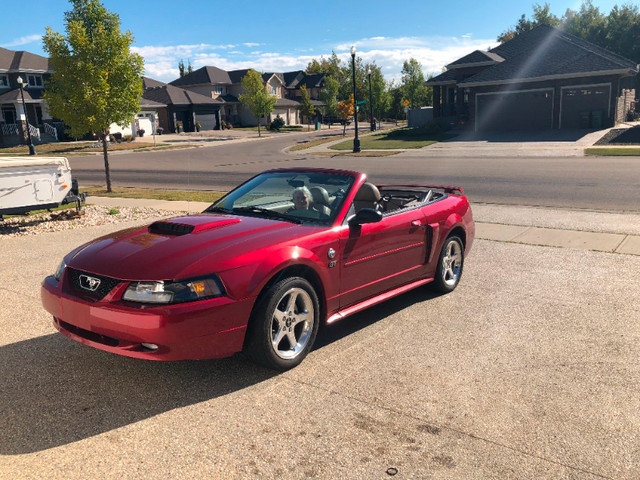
226 87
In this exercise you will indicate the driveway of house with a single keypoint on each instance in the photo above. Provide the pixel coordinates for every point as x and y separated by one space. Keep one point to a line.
555 143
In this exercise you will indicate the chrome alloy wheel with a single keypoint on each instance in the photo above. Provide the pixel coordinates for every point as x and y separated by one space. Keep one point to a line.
451 263
292 323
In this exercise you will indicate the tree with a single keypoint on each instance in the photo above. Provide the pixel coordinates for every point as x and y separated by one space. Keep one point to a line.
541 16
345 110
96 80
380 98
618 32
329 96
307 108
181 68
256 97
412 81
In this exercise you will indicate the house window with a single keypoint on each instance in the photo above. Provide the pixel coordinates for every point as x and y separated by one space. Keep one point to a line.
34 80
4 81
217 90
272 90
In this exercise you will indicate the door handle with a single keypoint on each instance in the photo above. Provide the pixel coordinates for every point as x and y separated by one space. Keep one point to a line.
416 223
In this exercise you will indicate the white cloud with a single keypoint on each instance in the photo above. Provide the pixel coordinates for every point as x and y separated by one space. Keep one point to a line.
251 44
23 41
433 53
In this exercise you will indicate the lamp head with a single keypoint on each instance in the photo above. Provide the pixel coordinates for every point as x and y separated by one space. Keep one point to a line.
19 79
353 51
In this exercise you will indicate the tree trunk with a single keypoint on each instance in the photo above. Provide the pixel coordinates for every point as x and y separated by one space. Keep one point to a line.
344 128
259 134
105 153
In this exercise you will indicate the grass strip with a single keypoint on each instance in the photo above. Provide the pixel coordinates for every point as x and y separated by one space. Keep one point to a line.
612 152
311 143
171 195
396 139
75 148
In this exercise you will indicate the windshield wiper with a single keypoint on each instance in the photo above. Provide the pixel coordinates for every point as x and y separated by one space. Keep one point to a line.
267 212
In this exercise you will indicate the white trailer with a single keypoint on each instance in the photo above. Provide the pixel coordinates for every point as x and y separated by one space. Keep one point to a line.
35 183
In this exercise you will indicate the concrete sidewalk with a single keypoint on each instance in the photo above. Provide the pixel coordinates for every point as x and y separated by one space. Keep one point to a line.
586 230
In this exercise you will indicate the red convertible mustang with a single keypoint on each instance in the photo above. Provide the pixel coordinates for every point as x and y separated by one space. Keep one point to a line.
262 268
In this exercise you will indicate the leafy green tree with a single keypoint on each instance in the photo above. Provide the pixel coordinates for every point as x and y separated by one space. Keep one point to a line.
379 92
541 15
329 96
396 109
307 108
587 23
96 80
623 32
256 97
413 82
181 68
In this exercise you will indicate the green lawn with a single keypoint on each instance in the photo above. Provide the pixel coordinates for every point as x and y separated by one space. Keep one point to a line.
179 195
75 148
613 151
396 139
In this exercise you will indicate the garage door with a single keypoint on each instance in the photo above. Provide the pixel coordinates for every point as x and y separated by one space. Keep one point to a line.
585 106
207 121
520 110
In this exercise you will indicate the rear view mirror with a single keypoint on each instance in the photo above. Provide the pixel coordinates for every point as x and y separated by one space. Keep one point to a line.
366 215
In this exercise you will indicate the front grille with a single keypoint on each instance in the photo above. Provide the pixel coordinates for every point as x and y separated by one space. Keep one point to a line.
106 284
92 336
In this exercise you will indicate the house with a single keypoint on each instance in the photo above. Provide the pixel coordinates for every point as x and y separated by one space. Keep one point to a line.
226 87
34 71
542 79
177 105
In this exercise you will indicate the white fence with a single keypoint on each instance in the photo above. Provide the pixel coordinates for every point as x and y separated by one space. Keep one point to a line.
9 129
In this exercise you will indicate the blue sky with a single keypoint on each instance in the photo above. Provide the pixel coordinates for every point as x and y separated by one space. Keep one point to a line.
284 36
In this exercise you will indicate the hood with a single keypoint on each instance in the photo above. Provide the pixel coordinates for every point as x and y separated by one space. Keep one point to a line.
182 247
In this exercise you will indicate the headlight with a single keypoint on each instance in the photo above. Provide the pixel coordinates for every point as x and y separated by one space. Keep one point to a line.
189 290
59 270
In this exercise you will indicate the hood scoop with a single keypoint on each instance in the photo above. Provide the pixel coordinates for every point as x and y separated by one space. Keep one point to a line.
186 225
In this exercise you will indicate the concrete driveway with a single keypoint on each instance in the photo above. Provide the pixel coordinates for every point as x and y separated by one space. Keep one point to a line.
554 143
528 370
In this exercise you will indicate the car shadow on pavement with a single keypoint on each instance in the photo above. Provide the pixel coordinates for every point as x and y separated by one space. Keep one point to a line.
54 391
343 328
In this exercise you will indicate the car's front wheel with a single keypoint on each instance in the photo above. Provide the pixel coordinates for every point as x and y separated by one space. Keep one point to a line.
284 325
450 265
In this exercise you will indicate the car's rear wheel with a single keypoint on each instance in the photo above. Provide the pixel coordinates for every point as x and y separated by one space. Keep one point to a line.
450 265
284 325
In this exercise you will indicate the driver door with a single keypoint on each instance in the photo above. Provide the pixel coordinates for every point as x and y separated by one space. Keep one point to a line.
376 257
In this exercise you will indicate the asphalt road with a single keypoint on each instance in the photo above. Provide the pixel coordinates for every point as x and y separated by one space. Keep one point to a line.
596 183
528 370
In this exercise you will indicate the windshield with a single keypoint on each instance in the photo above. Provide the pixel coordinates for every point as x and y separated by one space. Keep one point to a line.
298 197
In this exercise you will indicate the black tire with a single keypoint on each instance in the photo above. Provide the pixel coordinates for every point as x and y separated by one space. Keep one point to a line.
450 263
287 313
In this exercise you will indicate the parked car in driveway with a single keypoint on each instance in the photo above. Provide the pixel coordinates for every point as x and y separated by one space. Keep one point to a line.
261 269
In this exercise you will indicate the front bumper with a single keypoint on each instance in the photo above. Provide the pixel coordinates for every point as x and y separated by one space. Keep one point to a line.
213 328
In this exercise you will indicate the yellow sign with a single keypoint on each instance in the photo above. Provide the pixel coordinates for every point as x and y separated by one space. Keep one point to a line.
406 103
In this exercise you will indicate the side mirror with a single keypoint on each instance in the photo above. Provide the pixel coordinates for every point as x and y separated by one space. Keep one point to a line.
366 215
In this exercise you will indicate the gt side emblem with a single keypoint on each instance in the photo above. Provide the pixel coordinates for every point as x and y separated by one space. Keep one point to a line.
332 264
331 253
89 283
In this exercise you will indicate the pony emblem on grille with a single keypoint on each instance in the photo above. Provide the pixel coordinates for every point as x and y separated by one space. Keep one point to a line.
89 283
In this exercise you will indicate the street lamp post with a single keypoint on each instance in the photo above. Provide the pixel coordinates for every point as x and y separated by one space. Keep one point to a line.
32 150
373 124
356 140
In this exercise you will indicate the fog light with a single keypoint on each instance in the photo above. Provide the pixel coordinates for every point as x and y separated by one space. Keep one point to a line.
149 346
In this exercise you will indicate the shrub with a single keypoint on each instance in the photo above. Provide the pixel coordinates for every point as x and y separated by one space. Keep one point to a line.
276 124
